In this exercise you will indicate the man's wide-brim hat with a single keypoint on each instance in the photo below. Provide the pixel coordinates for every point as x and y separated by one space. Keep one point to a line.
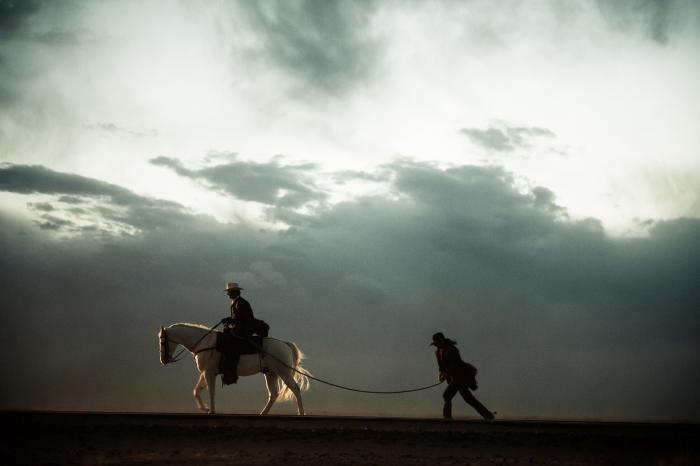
438 338
232 286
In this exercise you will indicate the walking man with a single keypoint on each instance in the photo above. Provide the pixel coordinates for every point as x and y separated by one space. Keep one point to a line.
460 376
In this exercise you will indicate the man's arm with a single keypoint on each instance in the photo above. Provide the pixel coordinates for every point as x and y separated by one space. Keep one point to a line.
441 363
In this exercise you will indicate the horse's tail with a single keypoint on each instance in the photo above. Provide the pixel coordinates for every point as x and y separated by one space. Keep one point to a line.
300 374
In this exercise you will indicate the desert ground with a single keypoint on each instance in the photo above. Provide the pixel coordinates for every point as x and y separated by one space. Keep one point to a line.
57 438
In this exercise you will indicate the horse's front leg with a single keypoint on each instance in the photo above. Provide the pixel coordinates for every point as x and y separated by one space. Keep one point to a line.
210 377
201 383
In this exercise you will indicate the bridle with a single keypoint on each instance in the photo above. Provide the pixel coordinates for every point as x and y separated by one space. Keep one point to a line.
165 348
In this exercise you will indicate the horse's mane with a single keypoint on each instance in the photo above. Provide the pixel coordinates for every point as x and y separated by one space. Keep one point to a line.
187 324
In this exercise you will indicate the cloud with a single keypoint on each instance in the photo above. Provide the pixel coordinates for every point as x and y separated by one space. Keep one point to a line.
105 207
506 138
14 14
545 199
271 183
40 22
366 291
261 276
28 179
327 46
41 206
656 19
112 128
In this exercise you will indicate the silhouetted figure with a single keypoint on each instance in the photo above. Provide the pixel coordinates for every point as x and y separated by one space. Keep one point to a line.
460 376
238 331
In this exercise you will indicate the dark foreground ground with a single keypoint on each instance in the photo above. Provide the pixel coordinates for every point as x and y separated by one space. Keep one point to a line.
149 439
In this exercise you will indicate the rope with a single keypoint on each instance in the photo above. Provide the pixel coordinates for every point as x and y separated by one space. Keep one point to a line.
343 387
375 392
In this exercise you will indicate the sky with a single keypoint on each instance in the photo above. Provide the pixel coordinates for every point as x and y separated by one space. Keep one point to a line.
523 176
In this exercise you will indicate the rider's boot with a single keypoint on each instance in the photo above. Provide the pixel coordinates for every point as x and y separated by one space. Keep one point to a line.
231 373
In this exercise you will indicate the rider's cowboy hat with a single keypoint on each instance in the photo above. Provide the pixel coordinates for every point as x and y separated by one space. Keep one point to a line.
232 286
438 338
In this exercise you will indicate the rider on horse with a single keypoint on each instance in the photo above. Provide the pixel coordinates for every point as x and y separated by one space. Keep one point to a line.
238 332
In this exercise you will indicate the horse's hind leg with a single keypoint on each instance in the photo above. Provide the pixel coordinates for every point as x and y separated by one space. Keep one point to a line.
288 379
201 383
271 381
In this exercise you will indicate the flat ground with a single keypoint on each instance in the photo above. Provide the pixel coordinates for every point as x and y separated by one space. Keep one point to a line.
46 438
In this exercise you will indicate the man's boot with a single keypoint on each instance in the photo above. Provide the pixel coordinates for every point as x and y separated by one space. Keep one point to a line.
231 372
225 369
229 375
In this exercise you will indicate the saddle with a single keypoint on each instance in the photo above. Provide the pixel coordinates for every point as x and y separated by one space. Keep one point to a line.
226 343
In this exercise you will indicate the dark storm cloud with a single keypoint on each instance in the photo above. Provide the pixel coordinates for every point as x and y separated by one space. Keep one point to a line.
16 22
546 200
41 206
51 222
326 45
70 200
28 179
114 203
30 31
13 17
14 14
476 213
655 19
561 319
504 138
271 183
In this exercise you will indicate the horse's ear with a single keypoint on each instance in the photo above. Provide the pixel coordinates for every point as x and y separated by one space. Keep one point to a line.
162 329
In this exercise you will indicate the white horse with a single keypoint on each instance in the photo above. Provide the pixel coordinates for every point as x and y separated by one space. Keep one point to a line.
276 363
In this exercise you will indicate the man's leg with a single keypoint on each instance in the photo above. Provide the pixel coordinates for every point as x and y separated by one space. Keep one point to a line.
232 369
230 357
474 403
447 396
237 347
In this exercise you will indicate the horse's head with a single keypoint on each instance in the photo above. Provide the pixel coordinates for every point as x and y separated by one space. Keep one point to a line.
167 346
